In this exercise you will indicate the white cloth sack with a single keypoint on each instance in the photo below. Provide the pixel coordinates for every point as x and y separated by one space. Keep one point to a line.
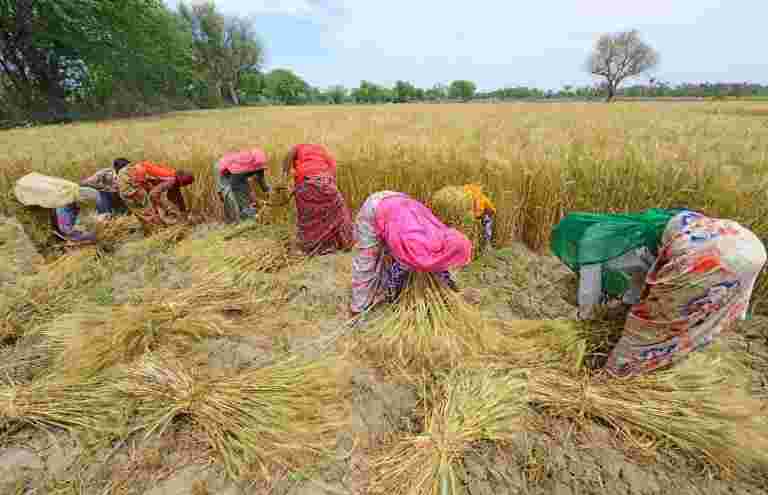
49 192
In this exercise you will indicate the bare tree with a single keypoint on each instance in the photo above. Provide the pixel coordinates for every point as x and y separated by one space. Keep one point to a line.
619 56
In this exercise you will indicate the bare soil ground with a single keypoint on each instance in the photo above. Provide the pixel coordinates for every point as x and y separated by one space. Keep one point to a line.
514 283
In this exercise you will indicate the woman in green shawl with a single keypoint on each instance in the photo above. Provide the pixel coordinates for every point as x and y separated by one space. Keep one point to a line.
688 277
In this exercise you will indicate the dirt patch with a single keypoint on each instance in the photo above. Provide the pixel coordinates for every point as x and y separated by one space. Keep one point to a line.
516 283
318 285
588 462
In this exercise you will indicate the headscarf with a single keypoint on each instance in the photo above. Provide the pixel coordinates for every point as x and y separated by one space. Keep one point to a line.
417 238
312 160
480 202
242 162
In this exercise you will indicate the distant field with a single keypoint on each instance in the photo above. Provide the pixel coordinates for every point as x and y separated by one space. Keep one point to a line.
537 161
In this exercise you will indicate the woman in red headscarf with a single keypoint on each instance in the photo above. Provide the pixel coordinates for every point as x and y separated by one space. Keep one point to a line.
153 193
323 219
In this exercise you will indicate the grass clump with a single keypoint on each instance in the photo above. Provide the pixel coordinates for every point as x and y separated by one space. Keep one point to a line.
473 407
430 327
282 415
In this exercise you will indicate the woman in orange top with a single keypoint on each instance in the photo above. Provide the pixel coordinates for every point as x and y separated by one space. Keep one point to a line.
323 220
153 192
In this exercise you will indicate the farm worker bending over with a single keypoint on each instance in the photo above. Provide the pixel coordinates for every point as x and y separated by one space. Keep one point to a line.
153 193
323 220
696 276
397 235
104 181
232 173
466 208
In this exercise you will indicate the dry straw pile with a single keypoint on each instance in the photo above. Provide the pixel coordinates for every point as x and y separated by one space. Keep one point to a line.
430 327
701 407
97 338
243 260
472 407
80 406
53 291
282 415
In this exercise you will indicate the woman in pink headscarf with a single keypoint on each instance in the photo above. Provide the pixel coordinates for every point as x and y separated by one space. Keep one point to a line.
323 220
397 235
232 173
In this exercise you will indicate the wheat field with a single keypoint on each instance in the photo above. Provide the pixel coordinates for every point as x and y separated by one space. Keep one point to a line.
536 161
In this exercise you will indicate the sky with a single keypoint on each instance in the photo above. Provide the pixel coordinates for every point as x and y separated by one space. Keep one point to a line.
498 43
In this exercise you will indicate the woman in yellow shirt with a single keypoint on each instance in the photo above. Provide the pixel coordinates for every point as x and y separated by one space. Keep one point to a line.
468 209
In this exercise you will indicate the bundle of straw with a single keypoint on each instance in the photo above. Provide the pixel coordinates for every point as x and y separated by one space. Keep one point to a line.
430 327
39 298
89 406
701 407
566 344
453 205
242 259
475 407
286 414
118 229
97 338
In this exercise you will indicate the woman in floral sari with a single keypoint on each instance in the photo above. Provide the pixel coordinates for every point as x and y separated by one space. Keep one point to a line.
397 235
152 192
323 220
701 282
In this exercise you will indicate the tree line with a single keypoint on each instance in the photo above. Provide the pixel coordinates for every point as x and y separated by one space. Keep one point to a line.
68 59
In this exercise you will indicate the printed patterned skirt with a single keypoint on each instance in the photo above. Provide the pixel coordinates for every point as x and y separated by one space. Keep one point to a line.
701 283
323 220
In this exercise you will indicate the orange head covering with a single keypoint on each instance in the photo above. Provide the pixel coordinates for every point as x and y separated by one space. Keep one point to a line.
480 202
312 159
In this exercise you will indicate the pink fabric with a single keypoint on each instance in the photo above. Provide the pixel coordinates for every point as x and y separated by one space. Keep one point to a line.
243 161
418 239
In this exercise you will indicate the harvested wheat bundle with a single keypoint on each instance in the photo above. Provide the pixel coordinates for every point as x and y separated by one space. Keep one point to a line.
90 406
572 345
285 414
118 229
54 290
701 407
160 240
430 327
475 407
243 260
97 338
454 206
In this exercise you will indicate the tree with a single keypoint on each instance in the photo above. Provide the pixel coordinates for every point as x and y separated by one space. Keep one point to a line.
337 94
462 90
225 48
369 92
404 92
54 52
620 56
286 87
436 93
